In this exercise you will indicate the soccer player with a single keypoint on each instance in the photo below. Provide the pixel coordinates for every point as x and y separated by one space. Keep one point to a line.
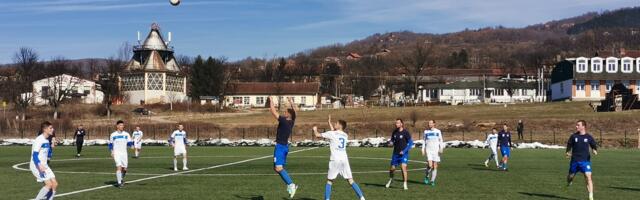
338 162
402 143
432 148
52 143
40 169
137 141
504 139
178 141
118 143
285 127
80 133
578 149
492 142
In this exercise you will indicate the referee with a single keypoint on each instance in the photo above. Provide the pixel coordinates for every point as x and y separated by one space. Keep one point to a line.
79 136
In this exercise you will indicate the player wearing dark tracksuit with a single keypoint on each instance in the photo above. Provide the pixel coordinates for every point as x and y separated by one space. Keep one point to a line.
79 136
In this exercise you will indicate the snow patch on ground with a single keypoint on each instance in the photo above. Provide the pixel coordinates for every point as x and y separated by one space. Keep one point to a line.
367 142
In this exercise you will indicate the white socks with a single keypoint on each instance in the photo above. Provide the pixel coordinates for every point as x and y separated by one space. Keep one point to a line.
184 163
434 173
119 177
175 164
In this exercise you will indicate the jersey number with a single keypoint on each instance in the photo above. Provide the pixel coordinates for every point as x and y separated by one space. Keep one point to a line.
342 143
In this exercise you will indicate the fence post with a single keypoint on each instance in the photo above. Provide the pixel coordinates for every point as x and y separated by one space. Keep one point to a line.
197 133
355 137
219 134
243 133
377 136
554 136
530 136
462 135
625 138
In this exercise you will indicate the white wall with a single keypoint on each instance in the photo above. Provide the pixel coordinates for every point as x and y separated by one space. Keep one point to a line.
61 83
309 100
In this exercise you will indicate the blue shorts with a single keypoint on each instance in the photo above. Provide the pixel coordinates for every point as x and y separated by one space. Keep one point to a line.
280 154
397 159
580 166
505 151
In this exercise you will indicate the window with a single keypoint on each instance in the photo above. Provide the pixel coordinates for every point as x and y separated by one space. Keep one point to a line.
608 85
612 65
474 92
596 65
237 100
637 86
499 92
582 65
579 85
246 100
627 65
133 82
175 83
45 92
259 100
595 85
155 81
303 100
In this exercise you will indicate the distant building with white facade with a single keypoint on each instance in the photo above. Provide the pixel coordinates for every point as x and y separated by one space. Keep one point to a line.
73 88
589 79
255 94
470 92
152 75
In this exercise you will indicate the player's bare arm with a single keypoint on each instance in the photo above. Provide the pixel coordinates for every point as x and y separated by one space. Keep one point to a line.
272 109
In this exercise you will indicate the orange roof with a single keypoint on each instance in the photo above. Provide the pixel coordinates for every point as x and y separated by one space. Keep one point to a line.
271 88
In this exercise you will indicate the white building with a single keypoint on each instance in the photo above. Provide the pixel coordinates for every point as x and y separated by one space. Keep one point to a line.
255 94
73 89
470 92
152 75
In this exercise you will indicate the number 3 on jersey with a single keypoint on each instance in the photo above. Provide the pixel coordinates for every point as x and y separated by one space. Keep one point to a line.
342 143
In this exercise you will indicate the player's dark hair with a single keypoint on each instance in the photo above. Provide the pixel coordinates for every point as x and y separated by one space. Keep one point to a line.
494 128
584 123
399 119
119 122
44 125
434 121
292 113
343 124
505 124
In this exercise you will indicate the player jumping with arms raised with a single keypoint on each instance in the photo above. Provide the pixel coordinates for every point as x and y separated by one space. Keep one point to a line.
402 143
432 148
578 149
285 127
339 162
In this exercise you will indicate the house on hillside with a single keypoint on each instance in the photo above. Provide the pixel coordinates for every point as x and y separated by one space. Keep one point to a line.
590 79
255 94
73 88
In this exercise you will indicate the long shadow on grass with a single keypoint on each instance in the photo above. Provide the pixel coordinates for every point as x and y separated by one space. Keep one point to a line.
626 188
550 196
113 183
252 197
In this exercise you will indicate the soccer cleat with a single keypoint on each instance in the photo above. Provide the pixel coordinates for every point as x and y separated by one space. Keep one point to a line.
185 168
388 183
292 190
486 163
569 183
426 180
361 198
433 183
405 186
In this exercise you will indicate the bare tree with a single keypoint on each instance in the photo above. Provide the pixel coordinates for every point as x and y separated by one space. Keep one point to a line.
27 64
415 62
108 81
60 83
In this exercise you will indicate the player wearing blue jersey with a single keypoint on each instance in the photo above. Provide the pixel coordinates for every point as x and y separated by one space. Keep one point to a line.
578 148
178 141
118 143
339 161
402 143
38 164
504 144
285 128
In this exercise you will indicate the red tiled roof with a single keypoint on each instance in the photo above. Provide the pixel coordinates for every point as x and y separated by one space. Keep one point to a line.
270 88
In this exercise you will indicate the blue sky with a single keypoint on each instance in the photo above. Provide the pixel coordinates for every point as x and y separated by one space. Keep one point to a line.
257 28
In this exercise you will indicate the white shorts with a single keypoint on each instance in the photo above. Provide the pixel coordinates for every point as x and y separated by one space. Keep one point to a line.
433 156
339 167
137 145
121 160
177 150
41 177
494 150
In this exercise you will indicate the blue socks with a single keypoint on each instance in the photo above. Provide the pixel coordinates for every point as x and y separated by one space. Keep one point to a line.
327 191
285 177
356 188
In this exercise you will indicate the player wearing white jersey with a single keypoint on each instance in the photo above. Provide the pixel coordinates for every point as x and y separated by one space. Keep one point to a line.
432 148
178 141
338 162
118 143
38 164
492 142
137 141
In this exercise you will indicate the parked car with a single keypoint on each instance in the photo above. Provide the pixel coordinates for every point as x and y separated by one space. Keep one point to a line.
142 111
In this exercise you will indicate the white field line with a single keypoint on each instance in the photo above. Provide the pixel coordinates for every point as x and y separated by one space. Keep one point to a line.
177 173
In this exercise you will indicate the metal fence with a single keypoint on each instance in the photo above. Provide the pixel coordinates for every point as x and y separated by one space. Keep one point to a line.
624 138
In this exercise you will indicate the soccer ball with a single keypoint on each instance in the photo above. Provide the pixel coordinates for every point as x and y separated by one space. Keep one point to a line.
174 2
